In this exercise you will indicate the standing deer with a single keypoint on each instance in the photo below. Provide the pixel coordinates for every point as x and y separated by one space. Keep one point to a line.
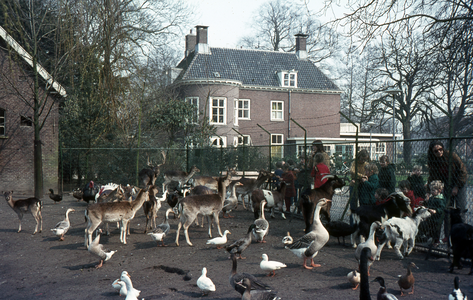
22 206
152 206
209 181
179 176
251 184
148 176
113 212
208 205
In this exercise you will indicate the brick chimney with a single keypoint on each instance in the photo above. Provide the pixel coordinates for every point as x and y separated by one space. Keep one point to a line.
301 50
202 46
190 43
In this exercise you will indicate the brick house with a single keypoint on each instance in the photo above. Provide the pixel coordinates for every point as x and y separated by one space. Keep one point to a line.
16 128
239 89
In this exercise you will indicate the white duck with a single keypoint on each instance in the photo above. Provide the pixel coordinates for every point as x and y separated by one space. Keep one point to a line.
309 244
161 230
132 293
204 283
62 227
231 202
120 286
219 241
262 226
354 278
270 265
97 249
369 243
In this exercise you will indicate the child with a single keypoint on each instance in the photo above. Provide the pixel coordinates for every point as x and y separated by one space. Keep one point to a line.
387 178
435 201
369 184
405 188
381 196
417 183
289 178
319 171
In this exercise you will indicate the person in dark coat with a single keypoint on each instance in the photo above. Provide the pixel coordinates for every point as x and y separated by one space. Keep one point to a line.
387 178
369 185
417 183
289 177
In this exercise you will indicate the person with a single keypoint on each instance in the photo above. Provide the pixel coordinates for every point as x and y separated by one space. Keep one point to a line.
357 171
417 183
435 200
439 166
381 196
318 147
369 184
406 189
288 177
319 171
387 178
278 173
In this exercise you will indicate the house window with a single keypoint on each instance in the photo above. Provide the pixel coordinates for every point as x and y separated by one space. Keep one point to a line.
277 111
345 150
244 109
2 121
381 147
277 145
195 114
26 121
242 140
288 78
218 110
218 141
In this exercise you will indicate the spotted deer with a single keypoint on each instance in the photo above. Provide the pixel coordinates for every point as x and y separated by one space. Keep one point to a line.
148 176
180 176
25 206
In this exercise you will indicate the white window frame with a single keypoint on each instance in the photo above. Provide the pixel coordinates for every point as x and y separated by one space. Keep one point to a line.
273 112
194 101
277 148
243 110
222 139
288 78
238 140
380 147
223 108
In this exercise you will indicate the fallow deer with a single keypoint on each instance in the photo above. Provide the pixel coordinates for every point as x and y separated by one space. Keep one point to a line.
209 181
148 176
121 212
180 176
251 184
208 205
152 206
24 206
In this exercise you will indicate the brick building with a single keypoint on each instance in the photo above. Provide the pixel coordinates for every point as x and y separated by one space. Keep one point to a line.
239 89
16 114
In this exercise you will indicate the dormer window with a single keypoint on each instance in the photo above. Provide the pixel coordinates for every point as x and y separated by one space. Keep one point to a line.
288 78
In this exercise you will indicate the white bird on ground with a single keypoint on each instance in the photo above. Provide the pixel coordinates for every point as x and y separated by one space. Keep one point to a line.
205 284
62 227
97 249
132 293
270 265
120 286
219 241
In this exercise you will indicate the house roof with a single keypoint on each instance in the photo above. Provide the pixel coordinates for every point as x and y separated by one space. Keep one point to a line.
253 68
29 60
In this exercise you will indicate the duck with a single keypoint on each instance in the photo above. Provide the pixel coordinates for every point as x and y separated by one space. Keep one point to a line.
309 244
77 193
270 265
205 284
238 246
369 243
383 293
250 294
219 241
132 293
120 286
161 230
63 226
55 197
235 278
231 202
457 294
354 278
339 229
364 277
262 226
407 281
97 249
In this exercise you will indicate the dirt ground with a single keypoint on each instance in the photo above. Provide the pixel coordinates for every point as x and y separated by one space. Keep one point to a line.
41 267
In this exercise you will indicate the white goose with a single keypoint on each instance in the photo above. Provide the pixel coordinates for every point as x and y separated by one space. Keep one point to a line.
309 244
369 243
262 226
132 293
97 249
161 230
120 286
270 265
219 241
62 227
204 283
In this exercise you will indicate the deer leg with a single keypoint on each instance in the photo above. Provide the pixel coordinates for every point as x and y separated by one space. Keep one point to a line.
177 232
20 217
123 229
217 222
186 232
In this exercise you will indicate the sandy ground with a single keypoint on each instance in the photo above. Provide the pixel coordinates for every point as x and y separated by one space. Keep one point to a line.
41 267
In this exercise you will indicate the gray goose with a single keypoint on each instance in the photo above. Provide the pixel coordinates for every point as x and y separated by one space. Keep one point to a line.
62 227
262 225
97 249
161 230
240 245
250 294
235 278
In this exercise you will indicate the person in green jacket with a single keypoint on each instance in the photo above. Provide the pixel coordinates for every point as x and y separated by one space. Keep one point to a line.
387 178
369 185
437 201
